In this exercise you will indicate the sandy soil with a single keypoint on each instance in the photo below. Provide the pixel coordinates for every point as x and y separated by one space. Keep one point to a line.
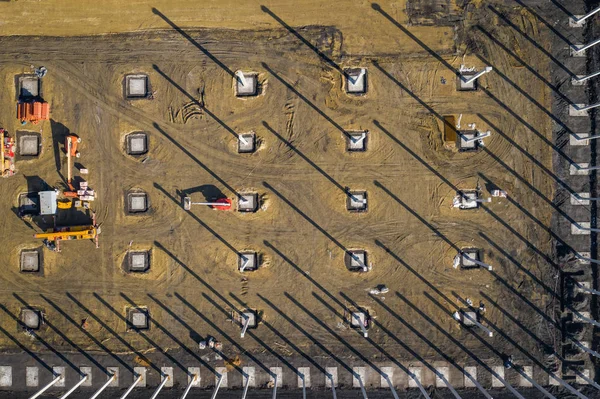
300 170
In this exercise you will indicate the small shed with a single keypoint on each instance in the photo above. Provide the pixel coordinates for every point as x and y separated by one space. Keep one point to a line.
48 205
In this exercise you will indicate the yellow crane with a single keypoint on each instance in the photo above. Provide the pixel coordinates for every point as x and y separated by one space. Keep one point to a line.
86 232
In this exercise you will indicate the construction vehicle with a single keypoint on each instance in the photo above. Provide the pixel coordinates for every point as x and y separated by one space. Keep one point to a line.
57 234
7 155
71 142
33 111
222 204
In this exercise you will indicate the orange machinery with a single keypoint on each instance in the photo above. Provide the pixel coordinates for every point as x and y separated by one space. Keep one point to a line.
57 234
33 112
71 142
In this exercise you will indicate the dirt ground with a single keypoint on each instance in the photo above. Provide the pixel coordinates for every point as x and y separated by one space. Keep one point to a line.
300 170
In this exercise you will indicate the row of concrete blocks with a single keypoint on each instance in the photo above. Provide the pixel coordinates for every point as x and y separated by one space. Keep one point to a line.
257 377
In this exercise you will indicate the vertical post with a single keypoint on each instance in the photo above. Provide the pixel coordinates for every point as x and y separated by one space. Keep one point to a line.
245 325
303 387
587 107
585 47
187 389
477 75
478 324
219 381
387 378
362 386
103 387
361 324
46 387
160 387
584 78
135 382
241 77
332 386
584 17
275 386
247 377
70 391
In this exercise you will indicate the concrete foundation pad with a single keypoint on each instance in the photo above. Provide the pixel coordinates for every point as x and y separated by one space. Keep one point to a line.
524 382
137 202
575 110
357 141
32 318
113 371
248 202
248 86
5 376
140 371
445 372
577 169
499 370
137 143
358 372
581 380
194 371
247 261
332 375
30 261
586 255
59 371
139 261
136 86
577 230
276 372
167 372
138 318
29 87
304 372
553 381
32 376
29 145
85 370
223 372
389 372
576 82
463 86
246 143
581 316
357 201
250 315
354 84
576 24
356 260
577 54
578 201
579 139
250 375
472 371
417 372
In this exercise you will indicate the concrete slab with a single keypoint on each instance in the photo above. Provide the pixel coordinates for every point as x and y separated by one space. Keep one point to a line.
359 372
577 201
356 80
248 202
137 143
250 372
586 255
223 372
304 371
357 201
277 371
139 261
357 141
579 139
247 261
576 54
576 24
167 372
332 374
553 381
472 371
417 372
389 372
32 318
5 376
578 82
248 86
581 316
576 170
356 260
29 145
29 87
445 372
32 376
113 371
581 380
140 371
577 230
463 86
137 202
575 110
30 261
499 370
194 371
246 143
523 381
59 371
136 86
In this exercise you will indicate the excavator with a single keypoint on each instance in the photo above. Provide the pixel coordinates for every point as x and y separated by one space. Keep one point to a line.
71 142
57 234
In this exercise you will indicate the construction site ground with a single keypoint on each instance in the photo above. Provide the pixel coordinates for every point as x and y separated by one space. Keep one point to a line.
300 171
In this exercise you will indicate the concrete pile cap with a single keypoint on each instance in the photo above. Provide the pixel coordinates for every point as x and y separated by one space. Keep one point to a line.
30 261
32 318
246 86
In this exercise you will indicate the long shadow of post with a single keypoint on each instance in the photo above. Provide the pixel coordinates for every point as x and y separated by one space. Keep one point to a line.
192 41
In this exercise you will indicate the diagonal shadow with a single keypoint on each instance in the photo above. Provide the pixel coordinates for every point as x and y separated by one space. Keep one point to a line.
115 334
27 350
193 158
306 100
196 218
40 339
88 335
549 25
192 41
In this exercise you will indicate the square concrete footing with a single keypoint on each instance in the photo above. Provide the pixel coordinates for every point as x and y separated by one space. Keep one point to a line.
499 371
576 24
59 371
31 261
137 143
359 317
137 202
417 372
356 260
577 82
29 204
579 169
472 372
247 261
356 201
580 199
85 371
442 371
194 371
138 318
246 86
586 255
576 110
461 85
29 144
331 377
579 139
359 377
524 381
29 87
251 316
580 228
138 261
464 141
466 262
246 143
576 54
248 202
356 81
357 141
137 372
136 86
32 318
582 381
